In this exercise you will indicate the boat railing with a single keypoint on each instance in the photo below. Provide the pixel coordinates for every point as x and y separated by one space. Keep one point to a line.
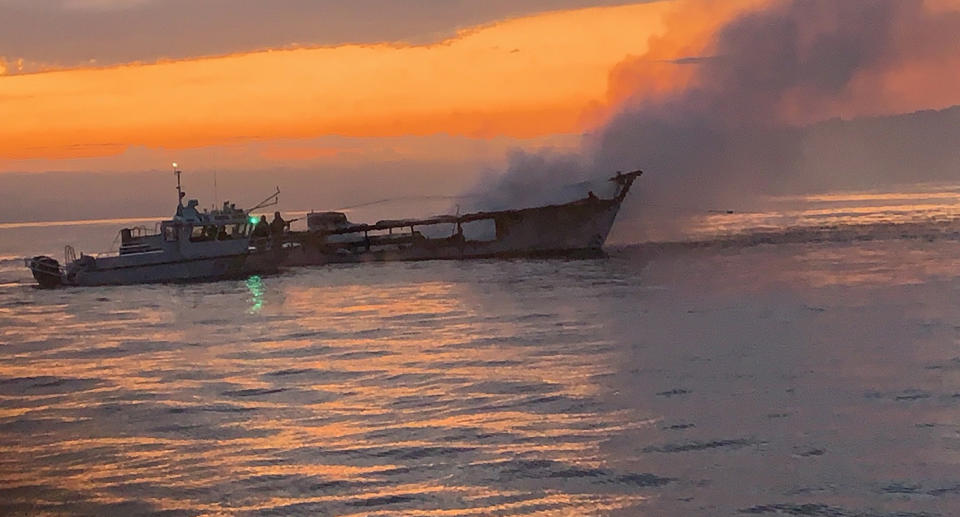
142 231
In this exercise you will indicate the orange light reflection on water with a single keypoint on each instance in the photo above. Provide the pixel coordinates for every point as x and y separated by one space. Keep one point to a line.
836 210
357 375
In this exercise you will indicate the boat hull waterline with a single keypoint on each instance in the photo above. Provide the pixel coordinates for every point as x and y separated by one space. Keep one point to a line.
182 271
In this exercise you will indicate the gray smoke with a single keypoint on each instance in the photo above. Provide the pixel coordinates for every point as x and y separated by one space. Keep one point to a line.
536 179
734 136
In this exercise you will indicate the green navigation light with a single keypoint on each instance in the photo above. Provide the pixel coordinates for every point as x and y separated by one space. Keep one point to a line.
253 219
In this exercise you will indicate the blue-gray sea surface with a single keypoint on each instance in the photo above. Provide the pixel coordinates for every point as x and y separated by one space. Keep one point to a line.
811 373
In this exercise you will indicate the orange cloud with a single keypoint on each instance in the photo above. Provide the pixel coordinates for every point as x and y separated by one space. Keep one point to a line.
278 152
522 78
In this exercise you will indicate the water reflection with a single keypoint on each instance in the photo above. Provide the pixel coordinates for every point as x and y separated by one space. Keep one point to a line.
255 286
706 381
409 388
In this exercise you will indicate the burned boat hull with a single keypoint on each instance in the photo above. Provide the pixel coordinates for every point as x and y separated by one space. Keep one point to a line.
576 229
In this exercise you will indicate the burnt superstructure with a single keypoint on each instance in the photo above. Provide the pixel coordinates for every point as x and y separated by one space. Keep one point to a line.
578 228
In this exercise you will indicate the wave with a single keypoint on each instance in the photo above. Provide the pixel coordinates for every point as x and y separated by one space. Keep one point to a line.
934 230
10 260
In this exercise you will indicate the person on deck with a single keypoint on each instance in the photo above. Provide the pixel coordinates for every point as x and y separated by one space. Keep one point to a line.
278 225
263 228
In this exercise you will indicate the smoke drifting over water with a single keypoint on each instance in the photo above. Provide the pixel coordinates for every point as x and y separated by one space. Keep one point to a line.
793 97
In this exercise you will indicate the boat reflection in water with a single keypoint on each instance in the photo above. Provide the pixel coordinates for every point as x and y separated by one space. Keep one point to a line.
255 285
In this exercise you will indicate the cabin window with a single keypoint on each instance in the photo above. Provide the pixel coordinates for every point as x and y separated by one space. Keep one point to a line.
237 231
200 233
170 233
231 231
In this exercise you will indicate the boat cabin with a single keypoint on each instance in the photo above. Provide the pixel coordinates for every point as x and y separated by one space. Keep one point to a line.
190 226
326 221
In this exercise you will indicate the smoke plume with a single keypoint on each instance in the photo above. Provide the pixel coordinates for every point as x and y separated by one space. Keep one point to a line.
786 97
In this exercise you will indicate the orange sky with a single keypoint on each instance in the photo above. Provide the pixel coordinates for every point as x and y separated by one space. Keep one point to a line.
525 77
538 77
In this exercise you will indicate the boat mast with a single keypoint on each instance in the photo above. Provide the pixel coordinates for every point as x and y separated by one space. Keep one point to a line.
180 194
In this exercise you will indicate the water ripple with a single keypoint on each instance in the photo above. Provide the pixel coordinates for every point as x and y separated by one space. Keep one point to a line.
663 381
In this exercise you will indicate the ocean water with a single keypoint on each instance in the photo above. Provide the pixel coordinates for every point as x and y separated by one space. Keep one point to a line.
782 363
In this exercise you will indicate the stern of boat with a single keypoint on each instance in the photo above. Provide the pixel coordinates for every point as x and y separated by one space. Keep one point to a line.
46 271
